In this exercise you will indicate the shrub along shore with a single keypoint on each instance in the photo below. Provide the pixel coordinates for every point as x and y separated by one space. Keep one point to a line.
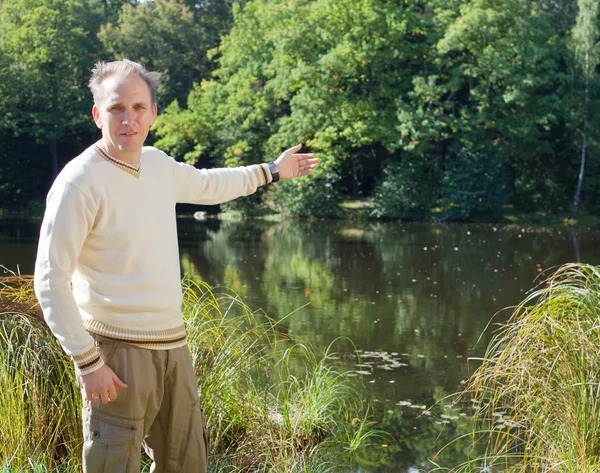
358 210
271 404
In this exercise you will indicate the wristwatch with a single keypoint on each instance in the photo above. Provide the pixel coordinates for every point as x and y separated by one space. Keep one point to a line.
274 171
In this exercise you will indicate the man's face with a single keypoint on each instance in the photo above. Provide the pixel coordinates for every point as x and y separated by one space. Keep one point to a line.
125 113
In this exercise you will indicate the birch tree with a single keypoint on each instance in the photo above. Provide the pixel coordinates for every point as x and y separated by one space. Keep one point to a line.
585 46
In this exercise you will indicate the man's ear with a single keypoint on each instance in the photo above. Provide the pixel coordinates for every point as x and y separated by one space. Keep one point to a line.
96 115
154 113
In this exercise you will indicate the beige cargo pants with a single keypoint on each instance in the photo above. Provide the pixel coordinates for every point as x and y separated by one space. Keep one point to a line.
159 410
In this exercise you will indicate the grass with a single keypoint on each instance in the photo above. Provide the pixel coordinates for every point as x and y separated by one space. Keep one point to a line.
271 404
39 400
538 387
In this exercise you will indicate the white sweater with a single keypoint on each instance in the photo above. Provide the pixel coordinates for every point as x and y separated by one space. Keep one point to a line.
110 229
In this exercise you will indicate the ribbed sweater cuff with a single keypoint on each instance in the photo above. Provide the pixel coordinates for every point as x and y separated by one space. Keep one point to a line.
88 362
262 173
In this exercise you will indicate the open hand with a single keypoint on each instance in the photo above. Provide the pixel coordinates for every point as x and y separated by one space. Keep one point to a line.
291 165
101 386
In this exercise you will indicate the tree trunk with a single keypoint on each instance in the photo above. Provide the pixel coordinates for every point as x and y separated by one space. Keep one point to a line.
584 143
54 158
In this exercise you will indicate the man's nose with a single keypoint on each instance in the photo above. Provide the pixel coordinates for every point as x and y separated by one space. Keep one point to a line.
127 116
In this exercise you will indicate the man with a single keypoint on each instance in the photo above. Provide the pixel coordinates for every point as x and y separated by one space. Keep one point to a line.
110 230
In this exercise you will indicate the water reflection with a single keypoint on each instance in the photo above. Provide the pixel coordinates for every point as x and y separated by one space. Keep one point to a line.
414 299
422 294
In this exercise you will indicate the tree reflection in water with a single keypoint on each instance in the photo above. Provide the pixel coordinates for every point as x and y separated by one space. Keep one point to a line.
422 294
415 299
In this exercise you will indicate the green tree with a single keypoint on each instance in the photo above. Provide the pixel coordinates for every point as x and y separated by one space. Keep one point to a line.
408 189
215 17
494 90
171 37
586 48
322 73
47 49
111 8
474 185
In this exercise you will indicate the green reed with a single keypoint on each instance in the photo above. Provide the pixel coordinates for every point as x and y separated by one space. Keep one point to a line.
39 399
538 386
270 404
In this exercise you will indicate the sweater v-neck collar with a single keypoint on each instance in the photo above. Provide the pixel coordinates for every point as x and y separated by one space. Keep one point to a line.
129 168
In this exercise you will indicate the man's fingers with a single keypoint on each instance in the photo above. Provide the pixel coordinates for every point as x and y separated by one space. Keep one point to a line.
104 398
105 388
308 164
292 150
112 394
305 162
118 382
94 397
292 164
304 171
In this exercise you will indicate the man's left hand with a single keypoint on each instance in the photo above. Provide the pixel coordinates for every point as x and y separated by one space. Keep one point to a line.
291 165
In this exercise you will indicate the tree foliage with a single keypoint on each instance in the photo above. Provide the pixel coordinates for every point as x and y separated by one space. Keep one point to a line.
166 36
320 73
46 57
431 108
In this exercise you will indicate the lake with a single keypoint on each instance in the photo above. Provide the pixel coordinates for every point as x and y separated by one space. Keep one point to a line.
416 300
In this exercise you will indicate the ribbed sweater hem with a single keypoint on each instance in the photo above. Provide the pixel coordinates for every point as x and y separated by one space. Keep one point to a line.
167 339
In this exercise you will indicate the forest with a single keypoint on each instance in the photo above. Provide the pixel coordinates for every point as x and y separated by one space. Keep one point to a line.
462 110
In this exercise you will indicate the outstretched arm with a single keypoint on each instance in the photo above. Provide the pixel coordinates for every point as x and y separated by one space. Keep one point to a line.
215 186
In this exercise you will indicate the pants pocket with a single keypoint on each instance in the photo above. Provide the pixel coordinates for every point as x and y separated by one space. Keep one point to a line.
106 347
106 447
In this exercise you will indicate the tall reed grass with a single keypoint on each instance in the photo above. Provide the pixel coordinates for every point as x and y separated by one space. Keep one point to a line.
538 387
271 404
39 400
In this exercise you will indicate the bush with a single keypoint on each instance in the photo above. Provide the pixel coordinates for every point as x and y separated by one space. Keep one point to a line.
250 206
406 191
315 196
474 185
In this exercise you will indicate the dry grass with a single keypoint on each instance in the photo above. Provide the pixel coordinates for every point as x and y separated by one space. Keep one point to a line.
17 296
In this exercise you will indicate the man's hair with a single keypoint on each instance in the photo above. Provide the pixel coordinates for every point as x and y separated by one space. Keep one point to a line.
102 70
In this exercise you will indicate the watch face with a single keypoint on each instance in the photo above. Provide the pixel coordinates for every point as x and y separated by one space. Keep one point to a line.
274 172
